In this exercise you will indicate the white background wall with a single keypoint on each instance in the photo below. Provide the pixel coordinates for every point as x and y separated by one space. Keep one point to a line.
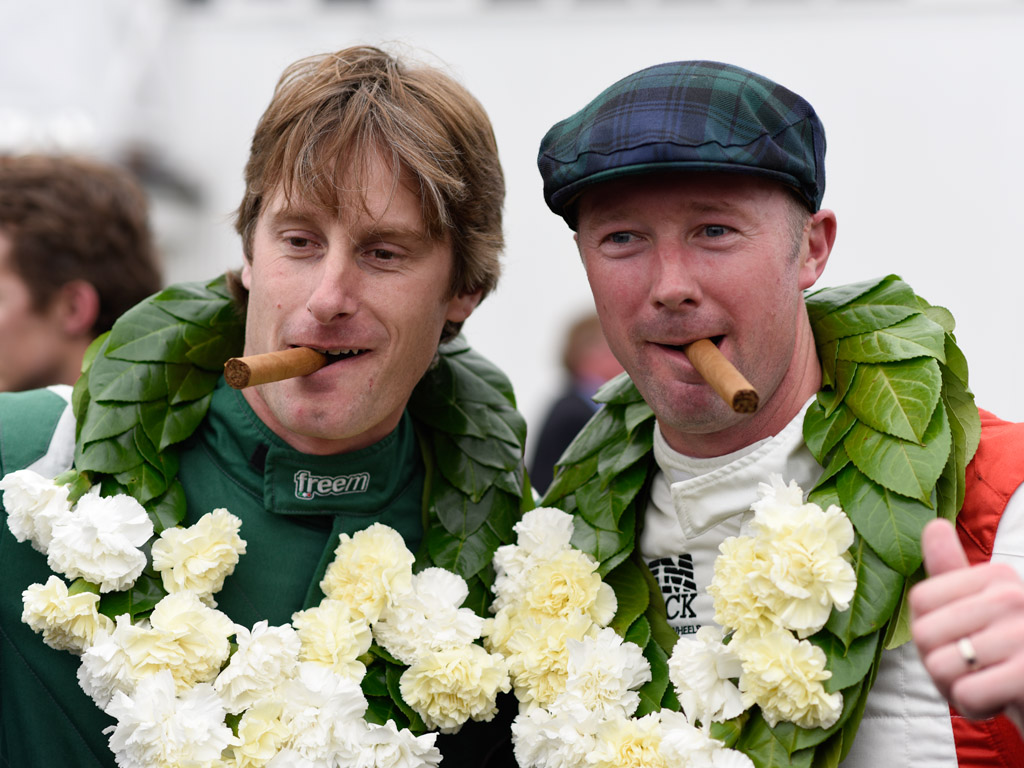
922 103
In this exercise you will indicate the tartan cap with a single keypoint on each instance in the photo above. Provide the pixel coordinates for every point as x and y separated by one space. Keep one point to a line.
685 116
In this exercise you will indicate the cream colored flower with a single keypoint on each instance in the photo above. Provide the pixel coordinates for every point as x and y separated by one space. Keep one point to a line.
33 504
67 622
261 734
686 746
540 739
384 746
740 587
369 569
324 714
184 636
537 653
199 557
541 534
106 667
100 541
784 677
629 743
334 636
807 548
566 584
702 670
449 687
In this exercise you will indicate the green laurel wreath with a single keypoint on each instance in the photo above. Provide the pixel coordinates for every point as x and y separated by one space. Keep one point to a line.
147 384
894 427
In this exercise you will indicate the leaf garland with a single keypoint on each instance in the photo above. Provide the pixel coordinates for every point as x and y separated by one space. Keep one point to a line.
146 387
894 427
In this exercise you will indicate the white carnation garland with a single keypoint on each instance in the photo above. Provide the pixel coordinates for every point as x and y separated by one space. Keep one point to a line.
577 680
288 695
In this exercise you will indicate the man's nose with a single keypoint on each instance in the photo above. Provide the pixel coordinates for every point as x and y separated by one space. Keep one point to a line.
674 283
335 291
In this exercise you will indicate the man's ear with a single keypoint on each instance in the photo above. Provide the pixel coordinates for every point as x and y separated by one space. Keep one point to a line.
819 238
76 307
460 307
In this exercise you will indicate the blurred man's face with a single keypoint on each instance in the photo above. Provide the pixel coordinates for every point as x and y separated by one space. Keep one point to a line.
369 288
672 258
32 342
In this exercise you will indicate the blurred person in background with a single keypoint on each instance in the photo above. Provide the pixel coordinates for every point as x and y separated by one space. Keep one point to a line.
588 363
76 251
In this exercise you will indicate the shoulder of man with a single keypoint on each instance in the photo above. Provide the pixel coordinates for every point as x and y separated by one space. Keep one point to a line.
37 430
992 477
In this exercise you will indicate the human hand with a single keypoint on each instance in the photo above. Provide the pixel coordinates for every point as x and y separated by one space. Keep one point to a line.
968 624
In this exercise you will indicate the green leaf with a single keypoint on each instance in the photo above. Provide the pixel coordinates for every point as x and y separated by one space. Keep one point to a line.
108 420
462 470
891 524
374 682
885 305
897 398
210 348
637 414
186 383
898 630
145 333
463 556
137 601
166 426
632 596
638 633
822 301
652 692
489 452
901 466
602 544
616 458
118 380
456 511
606 426
112 455
955 360
618 391
568 477
917 336
878 590
763 747
394 677
822 433
168 510
848 664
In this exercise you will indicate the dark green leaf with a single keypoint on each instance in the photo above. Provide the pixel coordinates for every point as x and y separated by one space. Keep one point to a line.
616 458
490 452
901 466
605 428
632 596
107 420
111 379
618 391
878 590
822 433
463 556
457 512
568 477
146 334
760 744
209 349
462 470
652 692
374 682
113 455
394 676
897 398
602 544
186 382
137 601
848 665
168 510
166 426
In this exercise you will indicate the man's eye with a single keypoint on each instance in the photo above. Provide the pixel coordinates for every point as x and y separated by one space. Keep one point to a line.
715 230
620 238
298 242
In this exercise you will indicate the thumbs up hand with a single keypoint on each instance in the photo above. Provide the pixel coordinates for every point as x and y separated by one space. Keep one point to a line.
968 624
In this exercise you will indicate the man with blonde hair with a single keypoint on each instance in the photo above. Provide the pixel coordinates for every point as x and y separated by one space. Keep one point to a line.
371 229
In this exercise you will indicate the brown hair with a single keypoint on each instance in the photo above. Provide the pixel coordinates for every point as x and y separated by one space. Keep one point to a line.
332 112
69 218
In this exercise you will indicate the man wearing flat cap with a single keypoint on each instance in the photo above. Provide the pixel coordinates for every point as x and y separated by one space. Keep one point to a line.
785 539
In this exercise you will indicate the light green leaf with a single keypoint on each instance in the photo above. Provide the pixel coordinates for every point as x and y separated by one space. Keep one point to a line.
901 466
822 301
765 750
822 433
146 334
917 336
848 664
881 307
897 398
891 524
110 420
122 381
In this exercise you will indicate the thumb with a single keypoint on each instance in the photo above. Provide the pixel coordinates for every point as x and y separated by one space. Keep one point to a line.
941 548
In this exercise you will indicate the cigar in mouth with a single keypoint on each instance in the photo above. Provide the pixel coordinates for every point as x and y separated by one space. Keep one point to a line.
722 375
242 372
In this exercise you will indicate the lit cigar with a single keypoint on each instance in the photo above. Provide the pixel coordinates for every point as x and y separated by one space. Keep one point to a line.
722 375
242 372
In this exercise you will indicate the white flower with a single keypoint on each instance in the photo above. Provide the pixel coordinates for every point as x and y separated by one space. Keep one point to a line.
33 503
188 637
702 669
106 667
335 636
684 745
603 673
200 557
265 659
542 740
451 686
369 569
384 746
155 728
428 617
67 622
629 743
784 677
324 713
100 541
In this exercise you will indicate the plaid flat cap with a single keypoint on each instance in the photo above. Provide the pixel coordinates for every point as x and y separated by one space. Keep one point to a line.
685 116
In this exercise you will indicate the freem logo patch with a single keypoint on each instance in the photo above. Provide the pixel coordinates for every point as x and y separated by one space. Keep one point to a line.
309 486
